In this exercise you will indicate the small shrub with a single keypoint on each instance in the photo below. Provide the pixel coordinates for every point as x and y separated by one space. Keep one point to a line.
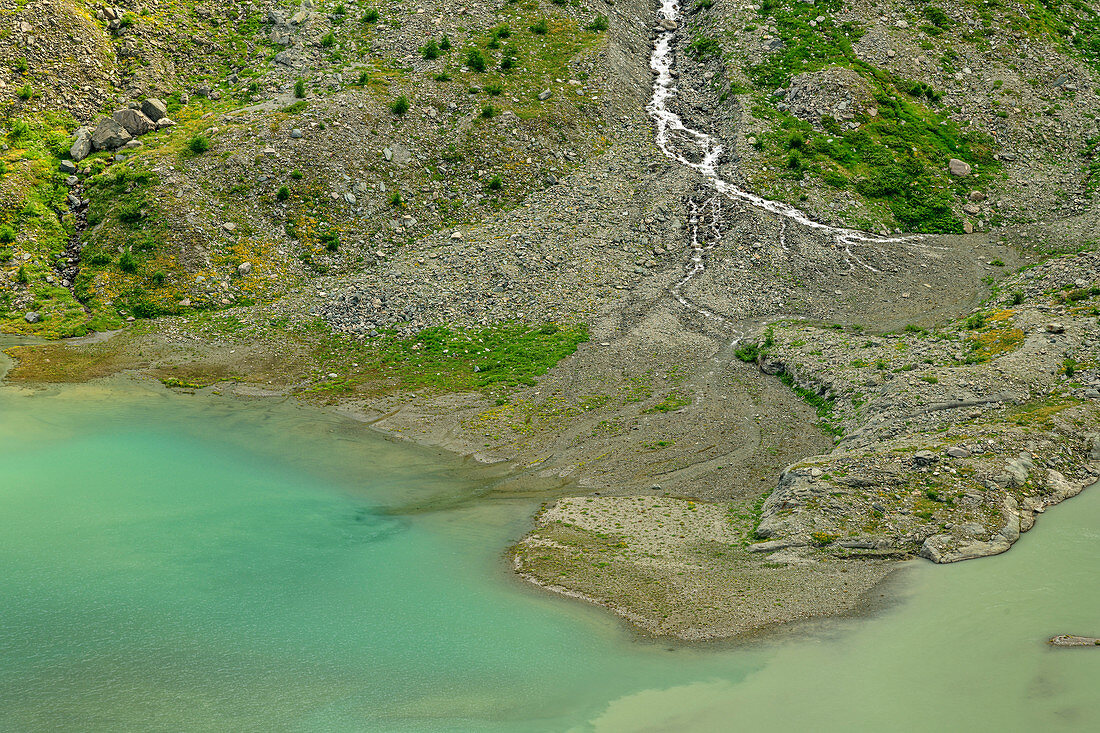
974 322
747 353
430 50
127 263
7 235
283 193
6 254
340 10
127 20
400 105
198 144
26 92
19 129
21 275
300 88
475 60
331 240
396 201
997 263
704 47
444 43
328 40
159 277
488 112
364 78
495 183
503 32
540 27
297 175
509 58
1016 298
598 25
21 65
494 89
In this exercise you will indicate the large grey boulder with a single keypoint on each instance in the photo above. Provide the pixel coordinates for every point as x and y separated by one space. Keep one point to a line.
154 109
135 122
82 144
109 135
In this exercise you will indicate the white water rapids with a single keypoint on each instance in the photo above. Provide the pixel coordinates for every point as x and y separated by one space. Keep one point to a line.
674 138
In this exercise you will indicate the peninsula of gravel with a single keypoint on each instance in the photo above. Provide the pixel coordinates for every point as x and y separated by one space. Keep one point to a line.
759 302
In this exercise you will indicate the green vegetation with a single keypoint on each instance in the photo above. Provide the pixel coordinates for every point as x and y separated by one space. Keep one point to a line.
599 24
198 144
475 60
672 402
896 159
823 405
503 356
400 105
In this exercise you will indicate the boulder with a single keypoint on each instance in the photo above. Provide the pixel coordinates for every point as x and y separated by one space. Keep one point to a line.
82 144
135 122
155 109
958 168
109 135
32 317
925 458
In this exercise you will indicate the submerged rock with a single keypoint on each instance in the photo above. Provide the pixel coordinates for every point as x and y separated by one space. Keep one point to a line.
1072 640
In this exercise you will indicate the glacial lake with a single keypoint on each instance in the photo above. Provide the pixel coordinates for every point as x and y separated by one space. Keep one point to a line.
172 562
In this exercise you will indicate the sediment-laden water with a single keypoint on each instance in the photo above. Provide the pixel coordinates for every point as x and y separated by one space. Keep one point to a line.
197 563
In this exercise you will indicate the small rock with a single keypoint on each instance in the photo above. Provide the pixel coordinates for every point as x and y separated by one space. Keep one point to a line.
544 95
1056 328
229 226
959 168
295 133
32 317
67 167
244 268
957 452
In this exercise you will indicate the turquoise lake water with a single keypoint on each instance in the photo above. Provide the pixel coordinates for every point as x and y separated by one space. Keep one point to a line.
196 563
